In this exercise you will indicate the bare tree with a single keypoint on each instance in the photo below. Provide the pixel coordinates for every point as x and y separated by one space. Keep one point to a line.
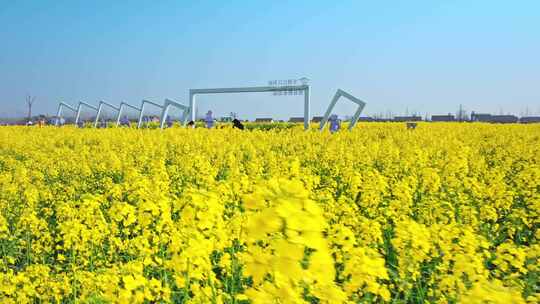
29 102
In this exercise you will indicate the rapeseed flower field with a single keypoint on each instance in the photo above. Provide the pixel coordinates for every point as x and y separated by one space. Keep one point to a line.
445 213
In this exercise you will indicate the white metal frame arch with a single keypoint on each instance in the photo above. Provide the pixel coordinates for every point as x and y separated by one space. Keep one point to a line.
121 107
59 112
304 88
79 108
333 102
143 104
100 106
167 105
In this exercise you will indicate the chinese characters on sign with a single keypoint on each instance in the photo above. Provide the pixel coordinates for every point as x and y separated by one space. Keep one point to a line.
287 86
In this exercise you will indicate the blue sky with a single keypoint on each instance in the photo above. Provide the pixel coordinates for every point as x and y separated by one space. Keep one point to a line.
398 56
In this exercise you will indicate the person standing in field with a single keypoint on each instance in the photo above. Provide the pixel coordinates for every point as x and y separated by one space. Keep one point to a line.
124 121
335 123
169 121
209 120
237 124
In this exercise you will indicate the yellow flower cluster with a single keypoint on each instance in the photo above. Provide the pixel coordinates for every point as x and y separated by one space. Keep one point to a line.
445 213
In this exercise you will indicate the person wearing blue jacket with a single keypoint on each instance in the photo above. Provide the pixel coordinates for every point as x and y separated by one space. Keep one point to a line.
335 123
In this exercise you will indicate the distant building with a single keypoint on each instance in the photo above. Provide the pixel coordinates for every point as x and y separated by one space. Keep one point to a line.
264 120
225 119
504 119
366 119
296 119
317 119
530 119
443 118
407 118
480 117
382 120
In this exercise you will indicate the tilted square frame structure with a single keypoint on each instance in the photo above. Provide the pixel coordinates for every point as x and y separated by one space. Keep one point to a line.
76 110
340 93
100 107
79 109
62 105
304 88
143 106
167 105
122 106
